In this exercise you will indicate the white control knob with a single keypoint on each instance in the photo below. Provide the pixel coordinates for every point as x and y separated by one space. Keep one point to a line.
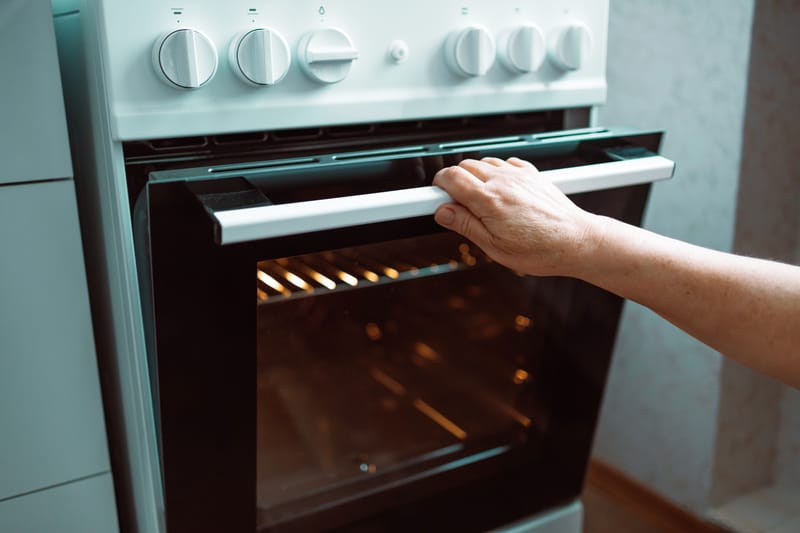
470 52
523 49
571 46
260 57
185 58
327 55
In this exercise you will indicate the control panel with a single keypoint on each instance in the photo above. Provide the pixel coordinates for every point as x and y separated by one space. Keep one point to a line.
222 67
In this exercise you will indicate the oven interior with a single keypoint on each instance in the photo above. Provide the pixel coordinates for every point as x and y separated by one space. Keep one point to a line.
382 362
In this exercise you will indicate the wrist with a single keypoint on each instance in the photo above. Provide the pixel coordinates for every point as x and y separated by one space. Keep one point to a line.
590 246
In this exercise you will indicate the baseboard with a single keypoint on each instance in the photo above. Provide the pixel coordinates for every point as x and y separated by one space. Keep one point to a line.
644 501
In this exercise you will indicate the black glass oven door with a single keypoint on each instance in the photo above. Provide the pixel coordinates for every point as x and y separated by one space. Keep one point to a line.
327 357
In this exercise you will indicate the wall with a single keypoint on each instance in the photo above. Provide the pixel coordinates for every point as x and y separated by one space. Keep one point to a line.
722 79
681 66
787 460
758 438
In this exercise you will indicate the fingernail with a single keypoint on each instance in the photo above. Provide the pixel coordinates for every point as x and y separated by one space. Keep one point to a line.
445 216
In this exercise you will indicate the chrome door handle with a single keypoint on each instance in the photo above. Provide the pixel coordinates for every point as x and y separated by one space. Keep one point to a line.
266 222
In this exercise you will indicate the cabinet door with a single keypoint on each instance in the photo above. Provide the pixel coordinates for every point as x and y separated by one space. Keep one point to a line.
51 417
85 506
33 130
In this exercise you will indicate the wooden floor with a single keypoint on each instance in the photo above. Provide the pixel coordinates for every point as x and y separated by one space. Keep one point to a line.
614 503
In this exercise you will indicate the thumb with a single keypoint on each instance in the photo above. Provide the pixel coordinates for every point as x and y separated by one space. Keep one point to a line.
459 219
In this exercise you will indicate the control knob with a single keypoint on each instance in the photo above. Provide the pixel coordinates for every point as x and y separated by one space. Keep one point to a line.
471 51
260 57
327 55
570 46
185 58
523 49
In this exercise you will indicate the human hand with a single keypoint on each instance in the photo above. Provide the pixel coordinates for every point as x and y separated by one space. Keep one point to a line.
516 217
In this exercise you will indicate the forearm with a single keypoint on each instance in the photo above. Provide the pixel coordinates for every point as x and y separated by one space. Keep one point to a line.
747 309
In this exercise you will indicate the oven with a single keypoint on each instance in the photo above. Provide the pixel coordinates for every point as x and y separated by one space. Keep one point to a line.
288 341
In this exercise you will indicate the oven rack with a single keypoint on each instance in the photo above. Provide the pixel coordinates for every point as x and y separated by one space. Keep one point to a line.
290 278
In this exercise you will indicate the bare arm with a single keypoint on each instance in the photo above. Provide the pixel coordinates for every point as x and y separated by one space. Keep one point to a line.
748 309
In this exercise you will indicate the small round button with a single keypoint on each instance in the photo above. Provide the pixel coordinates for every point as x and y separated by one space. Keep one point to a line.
570 46
471 51
523 49
185 58
260 57
398 51
327 55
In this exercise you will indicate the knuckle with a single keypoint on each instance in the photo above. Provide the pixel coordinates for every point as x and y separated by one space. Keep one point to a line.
493 198
442 175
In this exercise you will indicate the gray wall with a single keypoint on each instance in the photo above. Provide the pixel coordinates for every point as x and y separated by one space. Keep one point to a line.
679 65
764 442
722 77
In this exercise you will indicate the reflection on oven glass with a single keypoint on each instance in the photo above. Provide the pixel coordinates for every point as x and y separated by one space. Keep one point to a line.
381 363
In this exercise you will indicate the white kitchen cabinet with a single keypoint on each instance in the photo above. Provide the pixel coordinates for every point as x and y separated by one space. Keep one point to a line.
33 132
50 406
86 506
55 472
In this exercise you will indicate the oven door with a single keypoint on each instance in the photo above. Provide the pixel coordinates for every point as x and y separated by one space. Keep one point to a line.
326 357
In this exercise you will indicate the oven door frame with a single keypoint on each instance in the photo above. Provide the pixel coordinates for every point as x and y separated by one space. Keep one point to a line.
201 299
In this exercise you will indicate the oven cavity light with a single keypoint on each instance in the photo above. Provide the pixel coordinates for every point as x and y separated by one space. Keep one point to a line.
443 422
522 322
373 331
323 280
347 278
297 281
371 275
466 255
273 283
387 382
425 351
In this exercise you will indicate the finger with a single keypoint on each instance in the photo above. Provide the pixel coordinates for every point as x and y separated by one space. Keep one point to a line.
463 186
459 219
521 163
466 189
477 168
494 161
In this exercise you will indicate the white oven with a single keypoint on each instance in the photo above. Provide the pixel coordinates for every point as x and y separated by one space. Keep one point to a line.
288 341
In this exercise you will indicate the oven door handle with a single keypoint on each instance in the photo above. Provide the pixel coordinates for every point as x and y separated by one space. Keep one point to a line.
266 222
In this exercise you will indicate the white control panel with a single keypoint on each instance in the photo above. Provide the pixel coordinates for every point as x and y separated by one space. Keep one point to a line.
236 66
